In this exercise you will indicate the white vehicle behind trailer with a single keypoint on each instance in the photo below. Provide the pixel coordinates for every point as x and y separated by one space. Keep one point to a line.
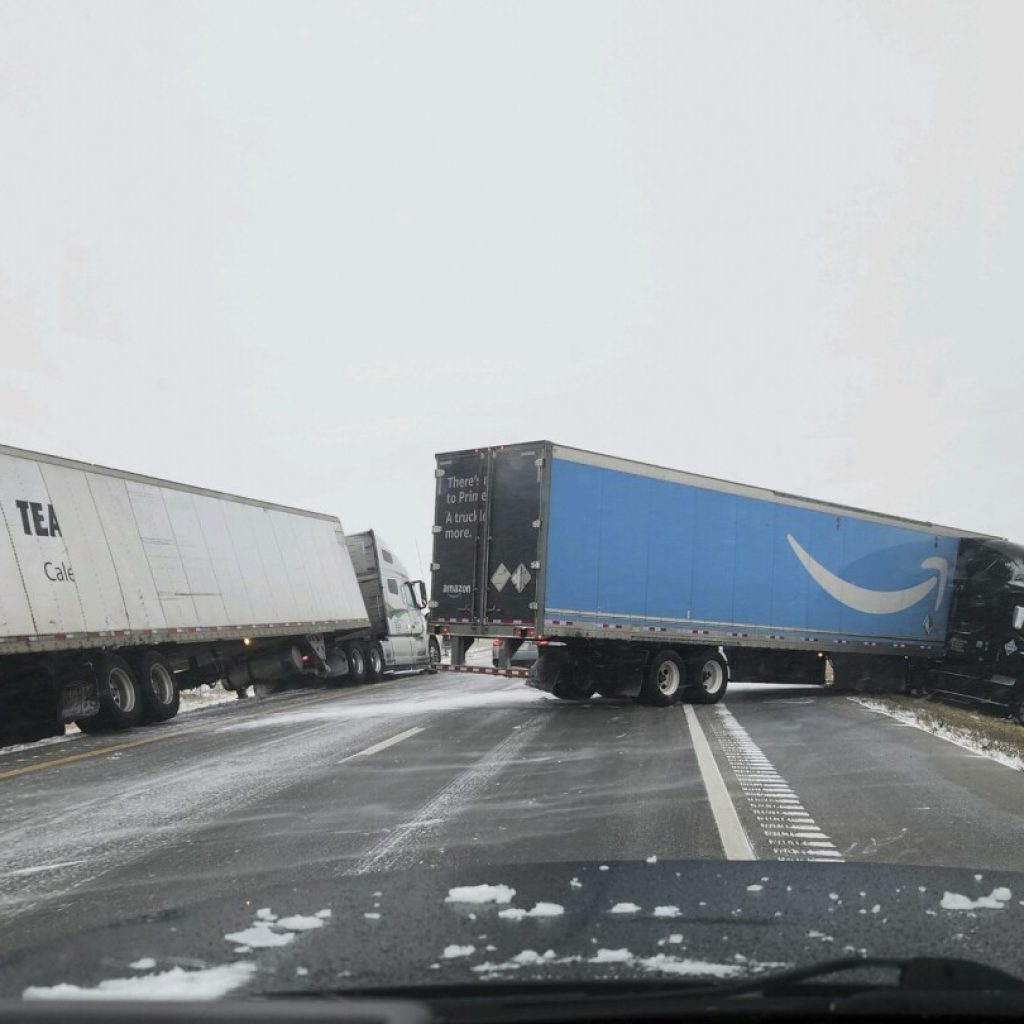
398 627
119 590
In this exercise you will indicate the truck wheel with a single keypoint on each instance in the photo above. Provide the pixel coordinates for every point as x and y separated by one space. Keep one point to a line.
572 684
433 655
158 688
374 662
663 682
91 726
710 679
356 662
120 700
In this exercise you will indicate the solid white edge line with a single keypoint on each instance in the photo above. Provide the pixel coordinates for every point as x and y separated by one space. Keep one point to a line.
734 840
384 744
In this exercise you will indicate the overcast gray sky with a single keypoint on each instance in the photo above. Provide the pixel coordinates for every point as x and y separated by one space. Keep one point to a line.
292 250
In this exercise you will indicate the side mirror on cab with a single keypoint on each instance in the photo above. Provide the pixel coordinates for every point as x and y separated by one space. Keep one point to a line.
418 592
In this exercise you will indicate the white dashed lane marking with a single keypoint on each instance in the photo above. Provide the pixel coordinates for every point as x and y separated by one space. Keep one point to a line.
791 833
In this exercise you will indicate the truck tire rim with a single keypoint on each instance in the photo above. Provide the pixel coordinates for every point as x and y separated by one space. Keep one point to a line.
375 661
161 684
122 692
711 677
357 662
668 678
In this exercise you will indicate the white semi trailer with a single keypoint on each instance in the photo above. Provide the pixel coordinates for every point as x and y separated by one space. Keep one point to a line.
118 590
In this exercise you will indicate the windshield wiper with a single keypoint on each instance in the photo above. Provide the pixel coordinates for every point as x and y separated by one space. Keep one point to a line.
924 985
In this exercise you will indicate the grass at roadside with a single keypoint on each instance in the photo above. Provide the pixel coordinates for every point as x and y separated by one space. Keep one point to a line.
999 738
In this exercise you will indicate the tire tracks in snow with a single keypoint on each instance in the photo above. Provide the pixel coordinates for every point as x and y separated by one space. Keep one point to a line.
401 844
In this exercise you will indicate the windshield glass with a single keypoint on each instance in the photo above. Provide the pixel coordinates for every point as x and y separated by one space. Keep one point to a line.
506 493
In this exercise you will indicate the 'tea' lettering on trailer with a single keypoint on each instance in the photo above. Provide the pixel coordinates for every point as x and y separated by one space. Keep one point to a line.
34 521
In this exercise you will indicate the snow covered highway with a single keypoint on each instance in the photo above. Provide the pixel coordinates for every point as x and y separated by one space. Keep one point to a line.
465 771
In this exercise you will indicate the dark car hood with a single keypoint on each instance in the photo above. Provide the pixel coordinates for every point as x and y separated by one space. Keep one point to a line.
399 929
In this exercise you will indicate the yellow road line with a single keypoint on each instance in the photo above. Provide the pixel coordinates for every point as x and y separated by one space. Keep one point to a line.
88 754
71 758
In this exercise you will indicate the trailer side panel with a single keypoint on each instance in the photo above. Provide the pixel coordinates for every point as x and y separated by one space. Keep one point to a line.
634 552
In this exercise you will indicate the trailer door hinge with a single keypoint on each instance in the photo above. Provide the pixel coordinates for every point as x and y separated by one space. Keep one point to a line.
439 473
535 565
533 606
433 604
434 566
539 462
435 529
536 524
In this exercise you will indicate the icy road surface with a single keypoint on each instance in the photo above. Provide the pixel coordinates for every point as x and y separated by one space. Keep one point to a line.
460 770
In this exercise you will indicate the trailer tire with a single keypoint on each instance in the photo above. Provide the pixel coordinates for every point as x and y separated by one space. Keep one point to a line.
710 679
374 662
120 699
158 688
433 655
356 662
91 726
572 680
663 680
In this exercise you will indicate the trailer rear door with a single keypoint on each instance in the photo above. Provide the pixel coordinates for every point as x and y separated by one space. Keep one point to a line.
487 536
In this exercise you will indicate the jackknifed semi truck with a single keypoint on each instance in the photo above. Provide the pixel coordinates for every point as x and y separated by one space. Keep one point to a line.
640 580
117 591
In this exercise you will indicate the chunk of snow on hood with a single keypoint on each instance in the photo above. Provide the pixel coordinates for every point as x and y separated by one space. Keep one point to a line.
372 915
603 867
666 911
480 894
325 913
996 900
177 983
512 913
147 963
546 910
300 923
652 859
260 936
675 938
265 914
674 965
612 956
451 952
531 956
625 908
575 883
754 888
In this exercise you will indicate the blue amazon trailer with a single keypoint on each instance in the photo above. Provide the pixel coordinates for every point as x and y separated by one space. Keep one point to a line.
636 578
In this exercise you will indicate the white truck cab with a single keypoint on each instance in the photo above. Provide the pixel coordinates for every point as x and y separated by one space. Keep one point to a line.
395 605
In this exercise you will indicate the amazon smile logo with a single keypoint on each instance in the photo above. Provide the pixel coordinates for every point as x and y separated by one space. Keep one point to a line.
874 602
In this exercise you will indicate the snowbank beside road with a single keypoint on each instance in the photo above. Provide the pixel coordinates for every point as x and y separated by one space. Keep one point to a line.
995 738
